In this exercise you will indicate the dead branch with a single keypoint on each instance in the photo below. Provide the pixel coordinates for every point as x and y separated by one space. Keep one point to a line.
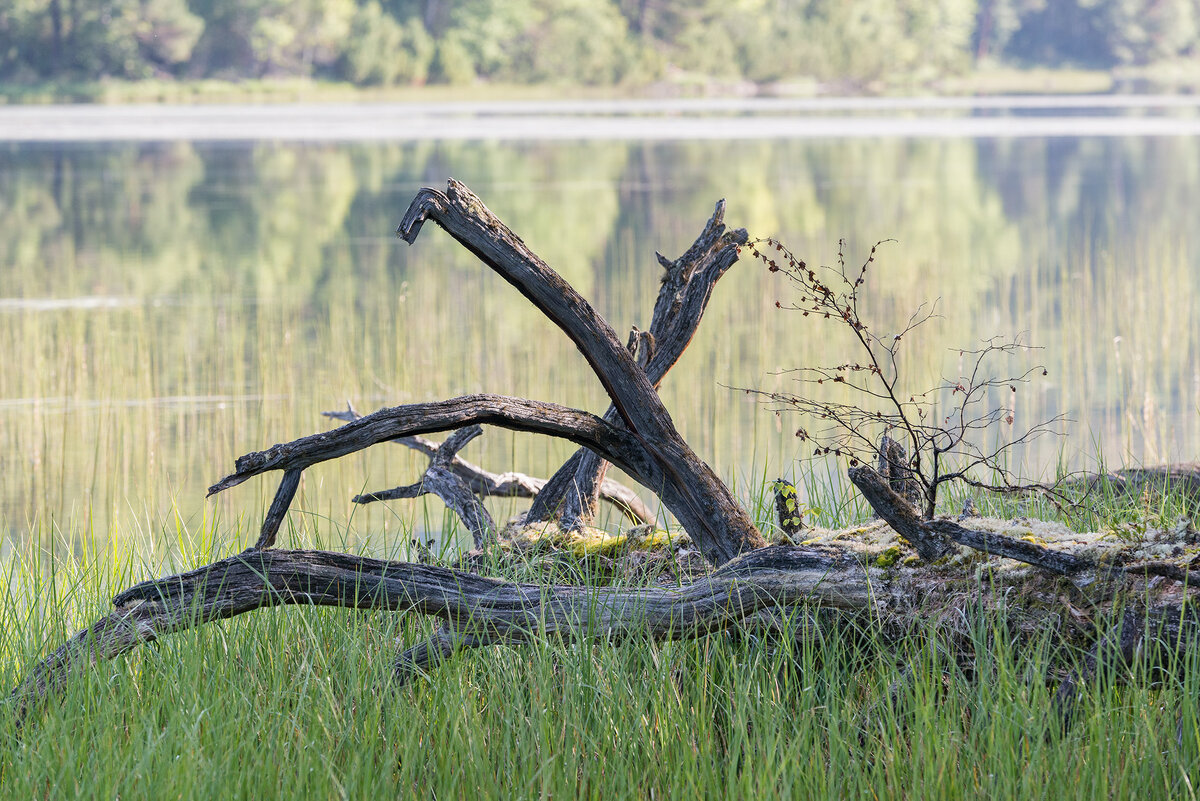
486 610
512 484
753 584
899 513
687 286
518 414
689 487
442 481
932 536
647 447
764 585
934 451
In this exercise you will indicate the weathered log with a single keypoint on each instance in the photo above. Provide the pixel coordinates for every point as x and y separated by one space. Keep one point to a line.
845 571
476 611
512 484
488 610
930 538
899 513
1181 479
647 446
1154 634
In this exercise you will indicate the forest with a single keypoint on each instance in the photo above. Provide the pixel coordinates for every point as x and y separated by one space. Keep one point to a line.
846 43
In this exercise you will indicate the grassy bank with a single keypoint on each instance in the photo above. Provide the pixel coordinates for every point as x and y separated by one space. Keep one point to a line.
283 90
291 703
1167 78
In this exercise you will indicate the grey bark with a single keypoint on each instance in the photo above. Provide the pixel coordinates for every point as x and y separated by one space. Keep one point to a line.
895 469
690 489
899 513
931 539
441 480
753 586
512 484
478 611
571 494
647 446
1181 479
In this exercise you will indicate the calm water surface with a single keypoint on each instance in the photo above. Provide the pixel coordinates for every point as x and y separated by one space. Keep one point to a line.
166 306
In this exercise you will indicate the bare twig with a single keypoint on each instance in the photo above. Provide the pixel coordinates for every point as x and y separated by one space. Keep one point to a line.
937 448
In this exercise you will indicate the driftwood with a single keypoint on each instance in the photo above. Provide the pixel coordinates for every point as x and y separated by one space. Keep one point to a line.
441 480
570 497
640 438
1118 600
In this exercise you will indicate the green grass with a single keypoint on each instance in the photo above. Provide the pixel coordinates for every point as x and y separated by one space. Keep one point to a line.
294 702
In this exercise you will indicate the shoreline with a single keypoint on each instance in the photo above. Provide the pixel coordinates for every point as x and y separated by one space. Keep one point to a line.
988 81
633 119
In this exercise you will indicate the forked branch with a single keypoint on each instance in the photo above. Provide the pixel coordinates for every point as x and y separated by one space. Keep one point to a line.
687 286
513 484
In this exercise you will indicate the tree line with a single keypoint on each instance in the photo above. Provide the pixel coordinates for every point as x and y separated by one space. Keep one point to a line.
593 42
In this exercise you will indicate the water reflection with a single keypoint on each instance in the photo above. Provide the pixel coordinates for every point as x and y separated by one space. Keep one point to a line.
267 274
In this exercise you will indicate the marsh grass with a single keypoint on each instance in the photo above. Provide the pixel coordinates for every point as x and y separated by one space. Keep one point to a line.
294 702
218 341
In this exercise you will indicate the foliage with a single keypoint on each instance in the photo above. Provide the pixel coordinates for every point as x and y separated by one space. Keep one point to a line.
123 38
597 42
382 50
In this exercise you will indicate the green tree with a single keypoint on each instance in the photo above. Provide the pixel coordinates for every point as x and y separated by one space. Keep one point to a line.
582 41
1099 33
381 50
576 41
1145 31
120 38
996 22
272 37
765 40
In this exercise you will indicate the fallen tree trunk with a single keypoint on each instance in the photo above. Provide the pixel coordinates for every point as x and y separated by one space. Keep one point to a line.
1181 479
488 609
478 611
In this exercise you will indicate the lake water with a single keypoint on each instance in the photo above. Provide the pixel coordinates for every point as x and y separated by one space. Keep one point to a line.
178 287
